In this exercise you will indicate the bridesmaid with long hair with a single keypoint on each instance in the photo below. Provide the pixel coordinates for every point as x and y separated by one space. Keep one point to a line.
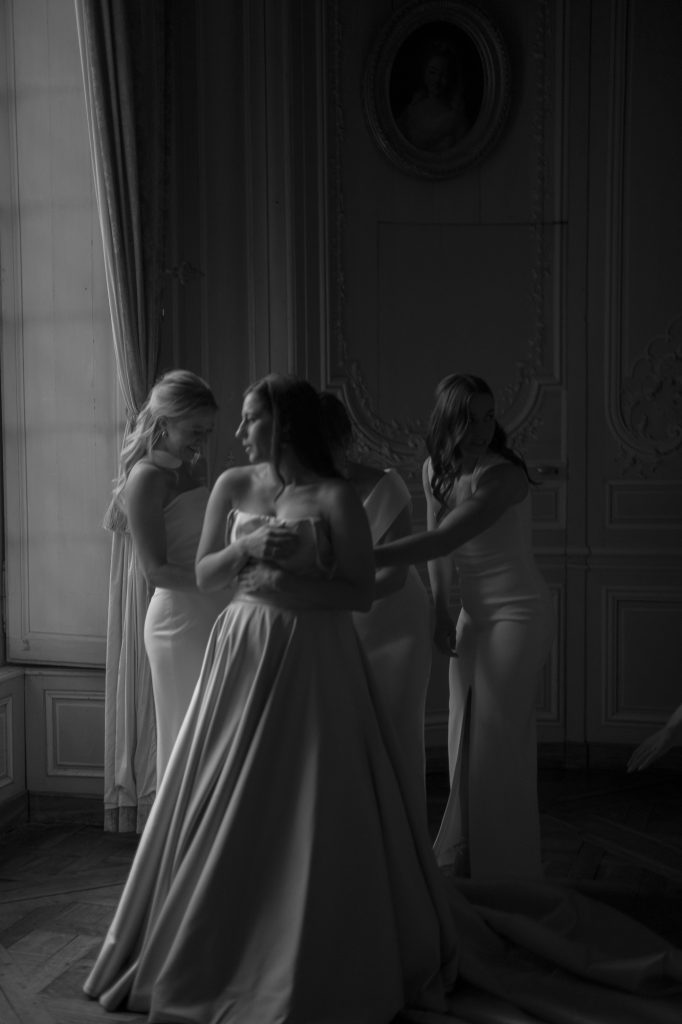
161 488
479 518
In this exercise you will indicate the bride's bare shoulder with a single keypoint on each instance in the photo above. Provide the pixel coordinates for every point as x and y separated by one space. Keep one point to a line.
238 482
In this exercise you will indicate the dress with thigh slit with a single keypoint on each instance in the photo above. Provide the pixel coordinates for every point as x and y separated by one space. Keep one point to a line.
504 634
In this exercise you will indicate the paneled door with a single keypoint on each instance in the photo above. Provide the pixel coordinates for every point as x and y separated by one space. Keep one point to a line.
633 386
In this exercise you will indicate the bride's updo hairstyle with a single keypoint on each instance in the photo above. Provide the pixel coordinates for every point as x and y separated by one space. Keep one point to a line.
178 394
296 412
449 422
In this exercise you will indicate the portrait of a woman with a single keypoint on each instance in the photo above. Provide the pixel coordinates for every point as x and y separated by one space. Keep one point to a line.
436 88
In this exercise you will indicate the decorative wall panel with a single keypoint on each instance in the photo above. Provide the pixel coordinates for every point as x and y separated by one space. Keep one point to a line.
643 649
634 376
634 647
12 741
75 733
634 503
65 730
6 741
464 274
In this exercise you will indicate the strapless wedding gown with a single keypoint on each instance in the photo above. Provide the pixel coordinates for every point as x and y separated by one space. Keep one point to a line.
396 634
286 874
178 624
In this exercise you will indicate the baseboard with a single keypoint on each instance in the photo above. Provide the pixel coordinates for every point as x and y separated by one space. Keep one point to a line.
575 757
58 808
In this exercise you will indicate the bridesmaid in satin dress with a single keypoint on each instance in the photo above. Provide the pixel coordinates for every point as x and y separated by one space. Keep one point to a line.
162 491
396 632
479 517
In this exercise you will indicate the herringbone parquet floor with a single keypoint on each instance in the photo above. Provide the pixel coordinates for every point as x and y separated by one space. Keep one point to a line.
616 837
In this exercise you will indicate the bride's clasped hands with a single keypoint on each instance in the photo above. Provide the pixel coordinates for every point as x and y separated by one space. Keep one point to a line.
270 543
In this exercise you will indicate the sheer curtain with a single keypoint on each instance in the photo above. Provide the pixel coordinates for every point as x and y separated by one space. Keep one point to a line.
123 46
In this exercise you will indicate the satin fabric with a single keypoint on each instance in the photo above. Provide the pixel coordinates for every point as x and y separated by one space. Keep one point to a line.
491 824
178 624
286 876
285 873
396 634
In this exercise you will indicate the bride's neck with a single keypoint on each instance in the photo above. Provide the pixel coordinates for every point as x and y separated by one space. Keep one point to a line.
292 471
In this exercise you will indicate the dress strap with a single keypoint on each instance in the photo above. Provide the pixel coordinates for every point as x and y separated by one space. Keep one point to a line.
385 502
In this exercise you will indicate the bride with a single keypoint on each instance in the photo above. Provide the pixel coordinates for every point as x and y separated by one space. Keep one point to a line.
285 875
281 875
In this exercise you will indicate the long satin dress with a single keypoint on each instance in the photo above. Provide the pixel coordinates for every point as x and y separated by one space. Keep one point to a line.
504 634
286 874
178 624
396 634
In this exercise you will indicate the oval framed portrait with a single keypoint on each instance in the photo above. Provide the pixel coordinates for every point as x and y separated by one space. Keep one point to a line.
437 87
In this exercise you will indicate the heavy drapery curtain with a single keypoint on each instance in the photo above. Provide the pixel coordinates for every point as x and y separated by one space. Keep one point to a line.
123 46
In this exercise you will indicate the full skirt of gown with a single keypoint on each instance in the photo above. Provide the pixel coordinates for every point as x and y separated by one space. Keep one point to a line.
281 876
285 875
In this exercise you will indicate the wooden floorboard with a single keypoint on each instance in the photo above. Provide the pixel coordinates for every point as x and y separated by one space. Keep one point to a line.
615 837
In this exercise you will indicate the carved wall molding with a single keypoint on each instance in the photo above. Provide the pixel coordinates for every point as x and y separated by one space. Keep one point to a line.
643 407
513 406
651 396
397 443
385 443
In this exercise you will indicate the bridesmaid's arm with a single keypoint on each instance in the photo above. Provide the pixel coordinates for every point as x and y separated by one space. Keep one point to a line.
392 578
219 560
145 493
499 489
216 564
440 575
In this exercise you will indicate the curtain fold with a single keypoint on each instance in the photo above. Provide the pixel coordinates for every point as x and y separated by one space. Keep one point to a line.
123 47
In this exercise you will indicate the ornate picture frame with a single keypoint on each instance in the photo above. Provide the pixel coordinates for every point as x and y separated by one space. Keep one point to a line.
437 87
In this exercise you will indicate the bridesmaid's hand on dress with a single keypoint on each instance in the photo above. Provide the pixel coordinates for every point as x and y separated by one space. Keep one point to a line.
445 634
